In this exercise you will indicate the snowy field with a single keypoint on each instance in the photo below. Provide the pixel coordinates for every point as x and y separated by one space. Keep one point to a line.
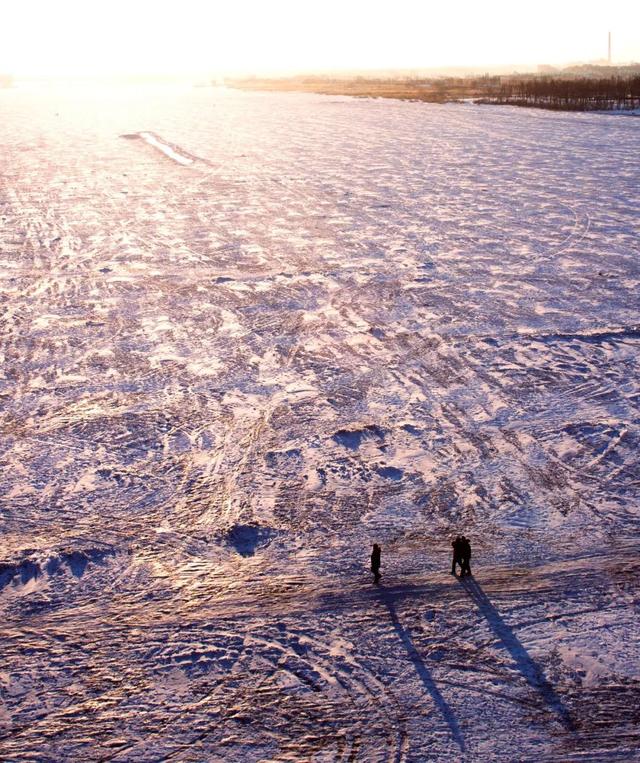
244 336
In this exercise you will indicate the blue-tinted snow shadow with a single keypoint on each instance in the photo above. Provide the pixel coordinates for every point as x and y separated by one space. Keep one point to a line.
247 539
390 473
423 671
78 563
352 439
21 573
529 669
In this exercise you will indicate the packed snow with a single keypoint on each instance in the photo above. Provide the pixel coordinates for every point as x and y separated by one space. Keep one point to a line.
244 336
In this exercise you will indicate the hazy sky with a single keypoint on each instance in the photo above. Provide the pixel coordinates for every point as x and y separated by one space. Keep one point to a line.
135 36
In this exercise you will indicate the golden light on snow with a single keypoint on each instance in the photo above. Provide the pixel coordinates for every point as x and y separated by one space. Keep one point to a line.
262 36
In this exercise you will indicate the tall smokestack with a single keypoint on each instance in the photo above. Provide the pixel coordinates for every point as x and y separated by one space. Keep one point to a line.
609 55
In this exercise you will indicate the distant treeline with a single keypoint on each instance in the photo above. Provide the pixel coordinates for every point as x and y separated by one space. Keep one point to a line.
570 93
562 91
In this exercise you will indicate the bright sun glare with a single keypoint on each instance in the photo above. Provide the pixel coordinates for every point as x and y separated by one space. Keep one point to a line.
83 37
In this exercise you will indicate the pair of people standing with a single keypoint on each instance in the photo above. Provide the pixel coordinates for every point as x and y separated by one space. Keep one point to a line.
461 555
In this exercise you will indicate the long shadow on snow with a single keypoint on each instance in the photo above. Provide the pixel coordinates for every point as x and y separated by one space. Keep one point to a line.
362 597
422 670
529 669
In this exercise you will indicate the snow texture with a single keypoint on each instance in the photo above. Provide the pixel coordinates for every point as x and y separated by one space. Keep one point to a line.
243 337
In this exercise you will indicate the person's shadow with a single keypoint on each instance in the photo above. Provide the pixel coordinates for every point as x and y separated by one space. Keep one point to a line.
422 670
529 669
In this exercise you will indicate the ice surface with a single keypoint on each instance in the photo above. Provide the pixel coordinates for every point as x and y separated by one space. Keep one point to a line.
342 321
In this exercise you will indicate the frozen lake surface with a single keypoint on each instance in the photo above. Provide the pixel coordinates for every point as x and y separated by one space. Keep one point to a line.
244 336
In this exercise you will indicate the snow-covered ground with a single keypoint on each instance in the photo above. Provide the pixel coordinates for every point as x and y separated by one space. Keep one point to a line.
244 336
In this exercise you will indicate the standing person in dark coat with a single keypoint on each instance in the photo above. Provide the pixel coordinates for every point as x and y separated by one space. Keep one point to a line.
457 555
465 546
375 563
